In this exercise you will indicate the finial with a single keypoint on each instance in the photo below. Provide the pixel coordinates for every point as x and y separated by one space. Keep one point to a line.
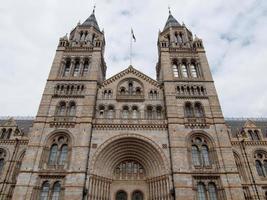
94 9
169 10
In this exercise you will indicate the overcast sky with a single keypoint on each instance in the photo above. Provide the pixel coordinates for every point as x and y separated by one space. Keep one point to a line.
234 34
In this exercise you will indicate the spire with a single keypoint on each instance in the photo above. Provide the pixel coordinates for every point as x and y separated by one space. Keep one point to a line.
171 21
91 21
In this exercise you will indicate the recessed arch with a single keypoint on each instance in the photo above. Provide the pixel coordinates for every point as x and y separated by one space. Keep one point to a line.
133 147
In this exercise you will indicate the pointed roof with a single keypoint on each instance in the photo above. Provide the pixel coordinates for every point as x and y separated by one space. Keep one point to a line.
91 21
171 22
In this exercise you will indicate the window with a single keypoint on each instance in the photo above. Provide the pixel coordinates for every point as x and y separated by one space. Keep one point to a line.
125 112
1 165
184 71
110 112
137 195
149 112
261 163
212 191
44 191
159 112
200 152
189 112
61 110
201 194
76 69
3 134
66 71
135 112
72 109
2 159
101 111
121 195
129 169
199 112
175 70
85 68
193 70
58 154
254 135
56 191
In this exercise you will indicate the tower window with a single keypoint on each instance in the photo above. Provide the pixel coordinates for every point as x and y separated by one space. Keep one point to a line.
66 71
85 68
193 71
200 152
175 70
261 164
44 191
184 71
76 69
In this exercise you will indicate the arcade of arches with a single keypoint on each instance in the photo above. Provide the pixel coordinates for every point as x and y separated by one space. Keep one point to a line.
133 169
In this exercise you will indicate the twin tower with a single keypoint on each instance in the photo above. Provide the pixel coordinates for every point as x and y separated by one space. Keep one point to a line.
129 136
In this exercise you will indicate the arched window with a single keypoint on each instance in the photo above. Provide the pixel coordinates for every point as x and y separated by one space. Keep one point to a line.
56 191
212 191
199 111
3 133
101 111
184 71
189 112
135 112
125 112
259 168
193 70
85 68
195 155
200 152
61 109
2 161
261 163
76 69
44 191
59 150
205 155
122 90
137 195
66 70
110 112
130 88
121 195
129 169
159 112
175 70
254 135
53 154
63 154
72 109
8 134
149 112
201 194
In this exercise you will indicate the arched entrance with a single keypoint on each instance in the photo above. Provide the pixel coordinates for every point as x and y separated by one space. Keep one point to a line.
132 164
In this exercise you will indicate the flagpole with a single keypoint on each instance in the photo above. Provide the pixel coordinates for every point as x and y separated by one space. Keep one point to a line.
131 47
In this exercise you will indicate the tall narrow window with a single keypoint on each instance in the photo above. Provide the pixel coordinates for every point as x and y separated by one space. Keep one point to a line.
125 112
2 161
61 110
199 112
76 69
53 154
63 154
85 68
135 112
212 191
44 191
110 112
175 70
3 133
184 71
195 155
189 110
159 112
72 109
149 112
201 195
259 168
56 191
130 88
66 71
265 166
193 70
205 155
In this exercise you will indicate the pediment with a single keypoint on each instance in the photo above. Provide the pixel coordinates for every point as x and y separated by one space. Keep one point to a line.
249 124
133 73
9 123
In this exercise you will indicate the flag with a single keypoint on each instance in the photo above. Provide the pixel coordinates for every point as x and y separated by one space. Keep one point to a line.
133 35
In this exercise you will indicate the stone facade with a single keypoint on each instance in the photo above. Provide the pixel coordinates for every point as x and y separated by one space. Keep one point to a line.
130 136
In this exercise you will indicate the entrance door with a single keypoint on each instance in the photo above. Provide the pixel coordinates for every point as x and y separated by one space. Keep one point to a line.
137 195
121 195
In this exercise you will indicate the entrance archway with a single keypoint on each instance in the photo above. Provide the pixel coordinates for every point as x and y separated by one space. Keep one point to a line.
130 163
121 195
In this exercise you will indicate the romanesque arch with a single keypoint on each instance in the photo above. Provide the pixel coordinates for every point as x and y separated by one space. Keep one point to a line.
129 159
